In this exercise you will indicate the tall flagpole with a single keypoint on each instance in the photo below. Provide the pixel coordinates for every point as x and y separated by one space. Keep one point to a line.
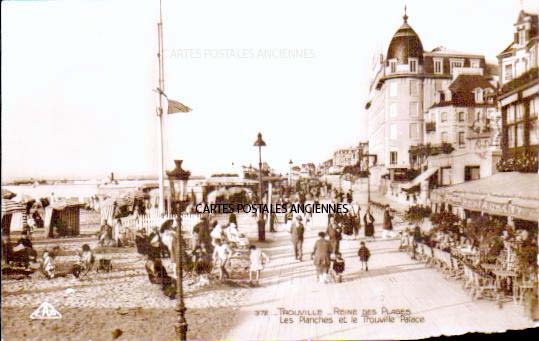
161 90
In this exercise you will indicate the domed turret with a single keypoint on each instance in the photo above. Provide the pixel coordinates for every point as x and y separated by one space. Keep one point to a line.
405 44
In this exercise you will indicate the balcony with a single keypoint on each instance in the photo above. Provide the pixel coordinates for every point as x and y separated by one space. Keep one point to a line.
525 78
525 162
425 150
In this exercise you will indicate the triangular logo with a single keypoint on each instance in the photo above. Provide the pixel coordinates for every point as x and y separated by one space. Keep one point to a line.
45 312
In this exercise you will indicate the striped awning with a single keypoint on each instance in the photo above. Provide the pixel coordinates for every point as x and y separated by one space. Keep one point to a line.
10 207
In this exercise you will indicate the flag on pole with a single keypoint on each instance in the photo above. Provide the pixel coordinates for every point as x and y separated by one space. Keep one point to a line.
175 106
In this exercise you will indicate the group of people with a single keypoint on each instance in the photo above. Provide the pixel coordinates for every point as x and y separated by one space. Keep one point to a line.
115 236
326 255
212 245
83 264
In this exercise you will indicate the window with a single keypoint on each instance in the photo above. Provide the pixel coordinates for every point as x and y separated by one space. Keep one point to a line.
455 64
508 72
520 134
393 110
519 112
462 116
414 109
393 158
438 84
393 134
442 96
471 173
511 136
393 66
413 65
413 131
446 176
475 63
534 133
438 66
393 89
444 117
522 37
510 114
414 87
444 137
462 140
478 95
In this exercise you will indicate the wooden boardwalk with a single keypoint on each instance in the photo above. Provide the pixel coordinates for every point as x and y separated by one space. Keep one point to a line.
436 305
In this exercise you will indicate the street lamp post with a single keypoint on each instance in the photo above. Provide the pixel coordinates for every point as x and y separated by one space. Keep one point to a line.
290 163
260 143
181 325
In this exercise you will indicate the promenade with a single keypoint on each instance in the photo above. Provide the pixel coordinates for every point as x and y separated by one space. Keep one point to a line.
432 305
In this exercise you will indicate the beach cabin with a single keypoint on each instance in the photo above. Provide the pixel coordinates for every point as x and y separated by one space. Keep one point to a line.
12 209
63 219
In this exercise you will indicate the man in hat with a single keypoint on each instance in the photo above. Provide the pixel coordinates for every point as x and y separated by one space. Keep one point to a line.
334 234
297 232
202 230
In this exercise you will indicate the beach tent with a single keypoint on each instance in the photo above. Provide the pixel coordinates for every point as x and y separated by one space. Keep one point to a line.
64 215
13 215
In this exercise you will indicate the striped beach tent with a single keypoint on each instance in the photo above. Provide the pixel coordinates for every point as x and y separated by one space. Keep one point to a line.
13 216
10 207
107 208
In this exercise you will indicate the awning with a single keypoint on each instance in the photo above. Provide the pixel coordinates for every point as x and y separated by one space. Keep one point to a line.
10 207
420 178
507 194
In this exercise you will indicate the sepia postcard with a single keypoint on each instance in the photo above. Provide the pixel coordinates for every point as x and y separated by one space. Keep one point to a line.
269 170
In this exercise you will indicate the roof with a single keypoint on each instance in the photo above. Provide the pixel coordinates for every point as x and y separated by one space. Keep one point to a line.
493 195
405 44
468 83
63 204
443 51
462 91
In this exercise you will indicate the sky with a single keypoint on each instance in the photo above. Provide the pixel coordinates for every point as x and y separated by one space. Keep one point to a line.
77 78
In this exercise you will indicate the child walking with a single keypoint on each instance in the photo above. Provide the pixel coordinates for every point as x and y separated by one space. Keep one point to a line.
364 255
337 268
257 260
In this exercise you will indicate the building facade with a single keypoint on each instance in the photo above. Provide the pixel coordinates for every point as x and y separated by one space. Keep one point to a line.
346 157
519 96
459 129
406 83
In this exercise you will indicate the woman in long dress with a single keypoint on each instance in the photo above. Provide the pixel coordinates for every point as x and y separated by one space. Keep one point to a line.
368 221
